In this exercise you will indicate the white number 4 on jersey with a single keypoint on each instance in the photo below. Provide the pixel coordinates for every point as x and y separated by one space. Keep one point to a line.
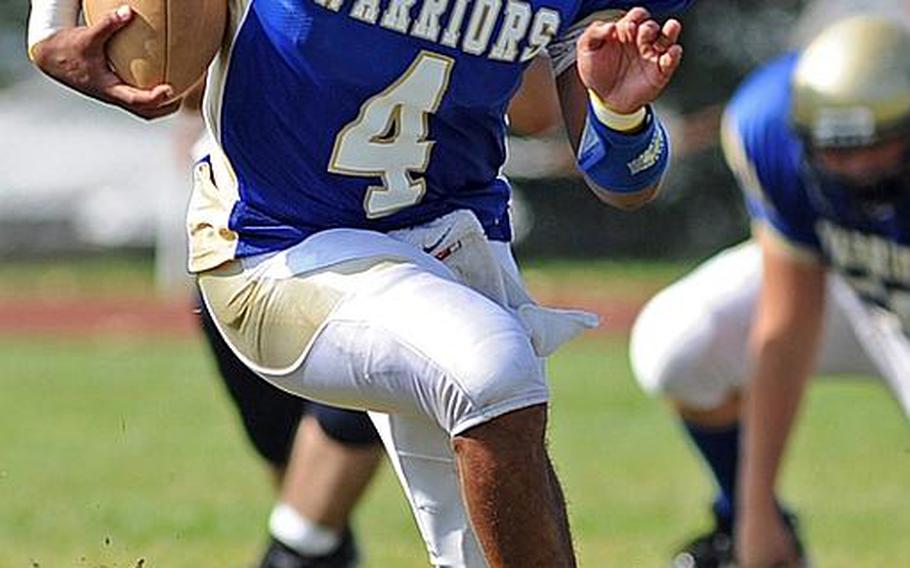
388 137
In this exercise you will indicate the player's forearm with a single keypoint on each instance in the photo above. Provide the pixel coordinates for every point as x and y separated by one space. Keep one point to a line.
47 17
771 405
784 341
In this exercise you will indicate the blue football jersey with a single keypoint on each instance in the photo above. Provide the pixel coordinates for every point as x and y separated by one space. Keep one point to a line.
372 114
869 245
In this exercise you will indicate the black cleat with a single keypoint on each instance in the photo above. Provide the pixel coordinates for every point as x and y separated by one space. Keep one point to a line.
347 555
710 550
715 549
792 522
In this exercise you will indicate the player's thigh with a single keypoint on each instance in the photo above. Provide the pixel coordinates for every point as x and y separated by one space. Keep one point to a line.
690 341
414 343
393 336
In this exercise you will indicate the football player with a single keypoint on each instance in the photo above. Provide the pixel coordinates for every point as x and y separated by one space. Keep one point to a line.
322 458
350 229
819 141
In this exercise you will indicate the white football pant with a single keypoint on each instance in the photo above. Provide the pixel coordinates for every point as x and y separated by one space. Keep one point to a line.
690 343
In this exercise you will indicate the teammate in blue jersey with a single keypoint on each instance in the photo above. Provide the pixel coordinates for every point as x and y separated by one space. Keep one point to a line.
350 230
820 144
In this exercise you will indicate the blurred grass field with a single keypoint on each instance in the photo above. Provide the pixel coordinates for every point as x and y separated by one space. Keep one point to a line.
123 451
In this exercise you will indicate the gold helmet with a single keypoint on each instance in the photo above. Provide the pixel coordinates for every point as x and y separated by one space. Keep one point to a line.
851 86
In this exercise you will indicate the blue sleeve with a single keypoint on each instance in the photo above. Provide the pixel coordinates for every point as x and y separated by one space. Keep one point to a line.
766 156
658 8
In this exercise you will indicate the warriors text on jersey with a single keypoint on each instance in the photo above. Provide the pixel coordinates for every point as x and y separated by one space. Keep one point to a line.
868 243
371 114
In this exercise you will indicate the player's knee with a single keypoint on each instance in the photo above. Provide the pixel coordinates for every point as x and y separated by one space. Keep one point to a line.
501 376
670 355
348 427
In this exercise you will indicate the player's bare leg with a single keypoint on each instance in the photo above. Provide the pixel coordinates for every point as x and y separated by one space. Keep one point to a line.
325 479
560 499
319 489
512 495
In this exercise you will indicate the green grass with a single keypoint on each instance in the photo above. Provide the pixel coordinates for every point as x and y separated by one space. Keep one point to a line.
120 450
603 277
98 276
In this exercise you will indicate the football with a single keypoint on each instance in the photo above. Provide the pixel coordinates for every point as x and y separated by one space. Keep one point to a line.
167 41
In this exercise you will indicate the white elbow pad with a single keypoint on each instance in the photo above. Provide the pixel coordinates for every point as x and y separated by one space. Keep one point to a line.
49 16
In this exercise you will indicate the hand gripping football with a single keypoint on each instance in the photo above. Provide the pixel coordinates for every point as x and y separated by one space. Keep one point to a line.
167 41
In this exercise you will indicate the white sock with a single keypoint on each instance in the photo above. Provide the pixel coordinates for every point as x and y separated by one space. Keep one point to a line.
301 534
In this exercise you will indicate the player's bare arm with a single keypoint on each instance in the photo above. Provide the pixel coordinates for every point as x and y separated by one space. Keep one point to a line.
75 56
784 339
534 110
623 66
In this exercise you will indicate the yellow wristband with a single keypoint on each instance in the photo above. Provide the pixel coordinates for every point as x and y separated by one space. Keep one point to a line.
612 119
